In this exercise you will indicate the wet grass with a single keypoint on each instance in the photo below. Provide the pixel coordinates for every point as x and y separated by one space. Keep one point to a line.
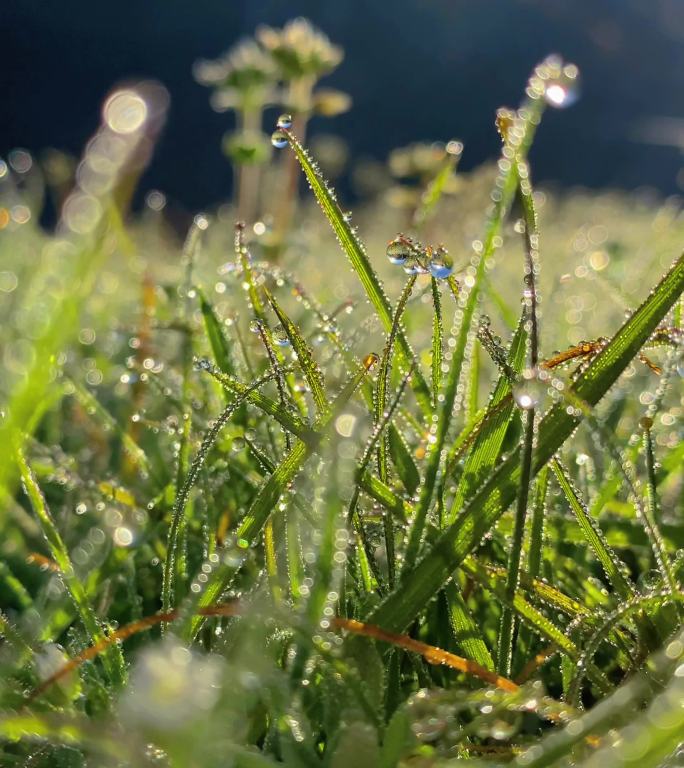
262 505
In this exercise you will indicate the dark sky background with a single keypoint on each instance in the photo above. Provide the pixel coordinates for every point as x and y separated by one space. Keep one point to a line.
416 69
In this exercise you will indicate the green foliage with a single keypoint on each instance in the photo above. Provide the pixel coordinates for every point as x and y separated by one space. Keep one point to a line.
319 545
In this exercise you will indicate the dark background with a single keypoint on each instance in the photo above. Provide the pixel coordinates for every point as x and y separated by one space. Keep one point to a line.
416 69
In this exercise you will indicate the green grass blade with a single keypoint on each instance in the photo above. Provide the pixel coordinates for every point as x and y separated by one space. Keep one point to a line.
384 372
185 488
437 342
113 658
220 347
505 187
309 366
613 567
358 257
493 498
261 508
285 417
467 633
486 448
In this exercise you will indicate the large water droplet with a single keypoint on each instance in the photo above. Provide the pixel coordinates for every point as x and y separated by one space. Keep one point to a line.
280 336
285 121
279 139
398 250
440 264
529 390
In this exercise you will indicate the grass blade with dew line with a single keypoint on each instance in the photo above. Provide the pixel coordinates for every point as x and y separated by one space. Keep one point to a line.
383 380
190 252
367 558
498 492
113 660
517 145
635 606
275 361
626 469
218 342
435 189
535 543
309 366
528 404
384 373
467 633
286 418
263 506
535 620
244 260
486 447
614 568
358 257
183 494
437 342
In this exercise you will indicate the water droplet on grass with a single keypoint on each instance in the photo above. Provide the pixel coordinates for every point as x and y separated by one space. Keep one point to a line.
398 250
279 139
441 265
284 121
529 390
280 336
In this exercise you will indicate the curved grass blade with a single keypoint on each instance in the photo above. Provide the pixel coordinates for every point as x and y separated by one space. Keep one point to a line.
310 368
506 184
113 659
534 618
467 633
437 342
498 492
486 448
613 567
262 507
286 418
183 495
220 347
531 237
356 253
635 606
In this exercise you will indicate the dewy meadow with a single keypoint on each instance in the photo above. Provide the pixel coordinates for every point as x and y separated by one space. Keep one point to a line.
397 486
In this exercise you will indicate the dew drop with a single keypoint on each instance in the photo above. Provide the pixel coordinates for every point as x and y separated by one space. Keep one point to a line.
279 139
529 390
284 121
441 265
280 336
398 250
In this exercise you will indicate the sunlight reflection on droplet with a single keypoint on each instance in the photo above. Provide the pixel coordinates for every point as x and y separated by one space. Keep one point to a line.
125 112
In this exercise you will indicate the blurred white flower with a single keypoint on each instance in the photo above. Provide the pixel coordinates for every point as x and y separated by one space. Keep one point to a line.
171 686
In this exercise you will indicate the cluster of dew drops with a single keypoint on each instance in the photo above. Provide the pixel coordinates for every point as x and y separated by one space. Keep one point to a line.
417 259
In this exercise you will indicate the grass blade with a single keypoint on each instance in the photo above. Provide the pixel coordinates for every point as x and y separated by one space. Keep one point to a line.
113 659
356 253
493 498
